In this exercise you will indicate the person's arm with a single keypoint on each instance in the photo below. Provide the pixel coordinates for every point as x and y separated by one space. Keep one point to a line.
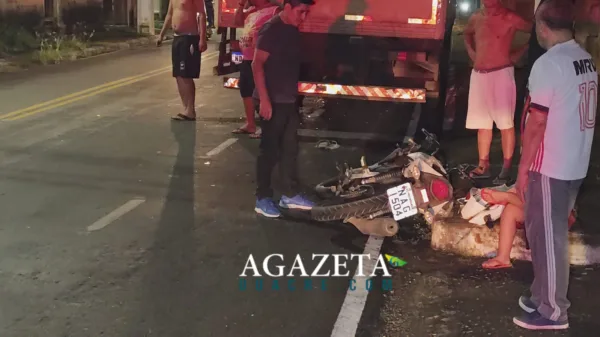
166 24
541 92
266 44
240 13
469 33
258 70
519 22
523 25
201 24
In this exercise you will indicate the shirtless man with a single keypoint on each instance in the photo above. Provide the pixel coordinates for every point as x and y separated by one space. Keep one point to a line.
492 94
188 19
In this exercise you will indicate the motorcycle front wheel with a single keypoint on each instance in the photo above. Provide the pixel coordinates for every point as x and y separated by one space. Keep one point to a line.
357 209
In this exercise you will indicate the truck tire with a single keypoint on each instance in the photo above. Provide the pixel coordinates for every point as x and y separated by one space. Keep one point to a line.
357 209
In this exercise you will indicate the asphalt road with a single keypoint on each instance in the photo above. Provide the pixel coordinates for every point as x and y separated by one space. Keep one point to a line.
115 221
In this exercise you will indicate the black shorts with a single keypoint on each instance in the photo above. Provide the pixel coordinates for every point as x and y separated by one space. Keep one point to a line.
246 83
186 56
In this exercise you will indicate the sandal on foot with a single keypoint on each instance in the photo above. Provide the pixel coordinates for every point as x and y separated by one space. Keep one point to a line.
480 173
327 145
242 131
183 118
495 264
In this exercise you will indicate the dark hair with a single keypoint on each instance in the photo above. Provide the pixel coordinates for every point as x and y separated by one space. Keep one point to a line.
557 14
295 3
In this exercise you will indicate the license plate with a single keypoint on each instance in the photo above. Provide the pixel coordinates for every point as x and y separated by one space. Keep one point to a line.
237 57
402 201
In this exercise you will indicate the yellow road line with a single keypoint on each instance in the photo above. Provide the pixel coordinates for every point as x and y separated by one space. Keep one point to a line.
79 93
67 99
77 98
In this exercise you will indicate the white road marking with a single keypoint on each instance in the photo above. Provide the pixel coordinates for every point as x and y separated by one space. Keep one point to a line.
116 214
354 303
345 135
221 147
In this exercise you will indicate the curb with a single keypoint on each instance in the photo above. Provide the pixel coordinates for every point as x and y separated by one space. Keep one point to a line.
460 237
109 47
103 48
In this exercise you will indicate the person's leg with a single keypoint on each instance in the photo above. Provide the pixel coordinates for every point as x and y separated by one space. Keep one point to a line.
186 62
246 84
556 207
534 229
504 115
210 13
289 153
289 162
546 225
478 118
267 159
187 92
511 216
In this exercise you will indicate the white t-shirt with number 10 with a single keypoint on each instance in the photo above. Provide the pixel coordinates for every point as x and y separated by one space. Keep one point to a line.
564 84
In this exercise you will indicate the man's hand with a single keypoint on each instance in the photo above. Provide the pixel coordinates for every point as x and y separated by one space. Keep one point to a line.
266 110
202 45
159 40
521 185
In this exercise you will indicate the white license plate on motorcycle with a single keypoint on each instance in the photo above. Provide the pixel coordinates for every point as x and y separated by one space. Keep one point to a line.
402 201
237 57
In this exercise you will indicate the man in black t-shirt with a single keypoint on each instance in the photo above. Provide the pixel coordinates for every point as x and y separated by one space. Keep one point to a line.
276 69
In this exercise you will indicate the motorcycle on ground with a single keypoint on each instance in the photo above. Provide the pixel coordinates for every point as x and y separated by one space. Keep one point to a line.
404 184
365 181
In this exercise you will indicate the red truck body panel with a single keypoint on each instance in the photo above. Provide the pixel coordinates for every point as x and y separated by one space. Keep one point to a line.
422 19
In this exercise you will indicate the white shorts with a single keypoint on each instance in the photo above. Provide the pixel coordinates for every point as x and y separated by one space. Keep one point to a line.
492 98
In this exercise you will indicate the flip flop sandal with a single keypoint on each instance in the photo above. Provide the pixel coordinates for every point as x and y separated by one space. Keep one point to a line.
498 265
183 118
241 131
255 135
327 145
485 173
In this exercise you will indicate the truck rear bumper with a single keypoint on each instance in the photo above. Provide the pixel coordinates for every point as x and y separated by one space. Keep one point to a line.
412 95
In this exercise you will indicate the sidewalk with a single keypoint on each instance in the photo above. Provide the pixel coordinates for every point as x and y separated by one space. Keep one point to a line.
27 60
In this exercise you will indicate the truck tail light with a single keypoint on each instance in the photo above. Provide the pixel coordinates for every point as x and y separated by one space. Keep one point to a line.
226 9
435 7
402 56
349 17
350 91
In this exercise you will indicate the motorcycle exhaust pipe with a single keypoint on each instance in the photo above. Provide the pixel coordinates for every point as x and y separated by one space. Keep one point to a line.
381 178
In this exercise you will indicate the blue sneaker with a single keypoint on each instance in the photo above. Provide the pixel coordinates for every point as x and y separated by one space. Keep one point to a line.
526 304
266 207
535 321
297 202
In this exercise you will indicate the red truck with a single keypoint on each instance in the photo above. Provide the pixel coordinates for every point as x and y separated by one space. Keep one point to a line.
390 50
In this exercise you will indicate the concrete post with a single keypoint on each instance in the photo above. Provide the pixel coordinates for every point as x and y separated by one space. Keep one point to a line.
145 17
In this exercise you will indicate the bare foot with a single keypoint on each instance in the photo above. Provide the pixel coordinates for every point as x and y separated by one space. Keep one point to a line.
496 263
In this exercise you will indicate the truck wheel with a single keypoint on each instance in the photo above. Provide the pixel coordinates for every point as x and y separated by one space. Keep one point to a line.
355 209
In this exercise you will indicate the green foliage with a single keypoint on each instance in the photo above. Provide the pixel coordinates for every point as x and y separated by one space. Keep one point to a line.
55 48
